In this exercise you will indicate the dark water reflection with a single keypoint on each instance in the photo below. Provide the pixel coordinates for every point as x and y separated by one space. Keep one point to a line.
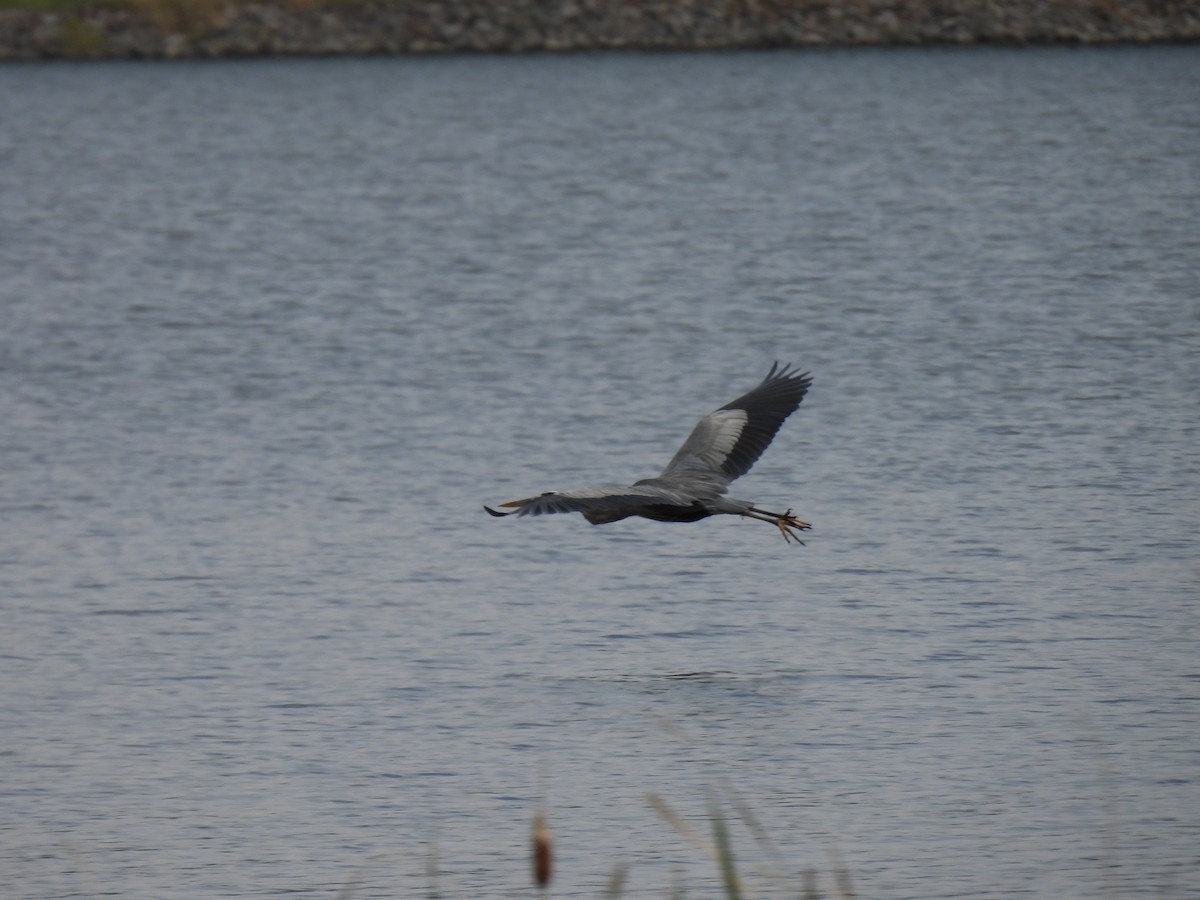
275 331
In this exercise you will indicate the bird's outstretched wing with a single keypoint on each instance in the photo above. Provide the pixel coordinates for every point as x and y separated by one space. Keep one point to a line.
601 498
731 440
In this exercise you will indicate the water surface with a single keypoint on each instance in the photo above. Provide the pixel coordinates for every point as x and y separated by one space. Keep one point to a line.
275 331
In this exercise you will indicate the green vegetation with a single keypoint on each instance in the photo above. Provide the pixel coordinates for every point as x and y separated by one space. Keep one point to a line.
772 881
79 6
720 851
80 39
74 6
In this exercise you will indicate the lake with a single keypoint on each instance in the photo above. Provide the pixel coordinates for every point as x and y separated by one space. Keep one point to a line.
275 331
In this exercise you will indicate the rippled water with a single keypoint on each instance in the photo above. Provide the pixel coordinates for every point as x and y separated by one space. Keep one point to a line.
273 332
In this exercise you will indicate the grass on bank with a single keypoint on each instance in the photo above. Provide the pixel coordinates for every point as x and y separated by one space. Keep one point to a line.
69 6
81 38
82 6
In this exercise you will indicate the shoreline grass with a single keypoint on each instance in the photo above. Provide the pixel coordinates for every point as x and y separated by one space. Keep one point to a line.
33 30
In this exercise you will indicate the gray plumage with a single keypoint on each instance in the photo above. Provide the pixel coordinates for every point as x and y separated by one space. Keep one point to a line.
723 446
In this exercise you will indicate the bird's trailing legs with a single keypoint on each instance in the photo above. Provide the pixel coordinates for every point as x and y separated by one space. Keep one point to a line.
787 524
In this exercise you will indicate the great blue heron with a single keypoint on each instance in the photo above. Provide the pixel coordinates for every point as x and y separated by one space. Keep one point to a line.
723 446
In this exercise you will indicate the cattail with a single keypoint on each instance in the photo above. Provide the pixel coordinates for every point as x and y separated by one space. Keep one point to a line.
543 852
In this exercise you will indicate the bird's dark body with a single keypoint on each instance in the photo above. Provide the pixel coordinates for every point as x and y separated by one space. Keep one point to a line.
659 512
722 447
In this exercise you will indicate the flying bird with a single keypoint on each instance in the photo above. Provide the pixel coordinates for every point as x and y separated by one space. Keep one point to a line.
723 446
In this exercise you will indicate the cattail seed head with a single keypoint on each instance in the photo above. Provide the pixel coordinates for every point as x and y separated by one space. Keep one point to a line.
543 852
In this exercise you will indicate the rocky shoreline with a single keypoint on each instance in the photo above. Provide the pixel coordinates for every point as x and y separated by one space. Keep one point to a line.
203 29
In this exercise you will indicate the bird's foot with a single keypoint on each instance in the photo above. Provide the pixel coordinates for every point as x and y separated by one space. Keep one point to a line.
788 525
